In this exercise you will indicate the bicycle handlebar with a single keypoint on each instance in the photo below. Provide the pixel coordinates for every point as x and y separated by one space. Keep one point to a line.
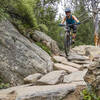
69 24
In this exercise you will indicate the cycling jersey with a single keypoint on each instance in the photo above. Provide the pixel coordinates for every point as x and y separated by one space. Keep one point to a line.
70 20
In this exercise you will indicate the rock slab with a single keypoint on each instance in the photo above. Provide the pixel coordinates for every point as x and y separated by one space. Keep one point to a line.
77 57
75 76
67 68
63 60
53 77
32 78
93 52
49 92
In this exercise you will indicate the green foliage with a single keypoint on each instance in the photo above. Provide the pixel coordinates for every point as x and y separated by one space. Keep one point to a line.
89 95
4 85
46 16
85 30
43 28
85 34
20 9
57 33
22 27
3 14
25 8
44 47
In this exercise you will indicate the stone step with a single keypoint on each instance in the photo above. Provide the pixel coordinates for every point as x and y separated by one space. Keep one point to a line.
53 77
47 92
75 76
63 60
82 62
60 59
73 65
67 68
77 57
32 78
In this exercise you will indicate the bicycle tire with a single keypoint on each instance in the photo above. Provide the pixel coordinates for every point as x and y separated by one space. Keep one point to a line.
67 43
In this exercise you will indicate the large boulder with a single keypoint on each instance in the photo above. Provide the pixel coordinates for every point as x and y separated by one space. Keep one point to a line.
48 92
45 39
19 57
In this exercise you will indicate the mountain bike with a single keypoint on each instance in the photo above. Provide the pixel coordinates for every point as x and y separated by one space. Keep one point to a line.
67 38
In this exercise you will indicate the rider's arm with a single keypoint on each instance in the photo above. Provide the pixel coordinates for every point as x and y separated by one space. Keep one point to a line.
75 19
63 20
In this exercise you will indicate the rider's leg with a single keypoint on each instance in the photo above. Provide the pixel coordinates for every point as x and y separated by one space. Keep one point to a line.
74 33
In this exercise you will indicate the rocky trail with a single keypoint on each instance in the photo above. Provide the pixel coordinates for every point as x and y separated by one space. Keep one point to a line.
79 58
35 75
67 75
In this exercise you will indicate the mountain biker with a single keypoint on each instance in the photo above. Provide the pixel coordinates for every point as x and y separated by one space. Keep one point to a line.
71 19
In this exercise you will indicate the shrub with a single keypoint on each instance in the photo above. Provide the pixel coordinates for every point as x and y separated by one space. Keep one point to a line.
25 8
4 85
89 94
43 27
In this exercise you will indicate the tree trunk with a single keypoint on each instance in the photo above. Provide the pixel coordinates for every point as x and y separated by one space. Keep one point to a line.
96 22
96 30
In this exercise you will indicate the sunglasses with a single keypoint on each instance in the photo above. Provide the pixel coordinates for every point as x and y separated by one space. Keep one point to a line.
67 12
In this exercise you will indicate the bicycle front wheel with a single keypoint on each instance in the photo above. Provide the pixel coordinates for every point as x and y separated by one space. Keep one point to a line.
67 43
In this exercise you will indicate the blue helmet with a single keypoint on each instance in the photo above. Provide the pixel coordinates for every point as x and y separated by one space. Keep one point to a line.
67 10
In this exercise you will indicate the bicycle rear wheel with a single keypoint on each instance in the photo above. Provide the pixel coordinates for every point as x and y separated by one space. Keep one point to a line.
67 43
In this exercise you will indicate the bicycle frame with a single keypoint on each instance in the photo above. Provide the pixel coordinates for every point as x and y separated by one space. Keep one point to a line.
67 38
67 42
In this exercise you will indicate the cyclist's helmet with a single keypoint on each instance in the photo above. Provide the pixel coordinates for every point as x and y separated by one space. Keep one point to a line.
67 10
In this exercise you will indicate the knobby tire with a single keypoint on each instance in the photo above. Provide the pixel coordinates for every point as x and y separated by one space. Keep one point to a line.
67 43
